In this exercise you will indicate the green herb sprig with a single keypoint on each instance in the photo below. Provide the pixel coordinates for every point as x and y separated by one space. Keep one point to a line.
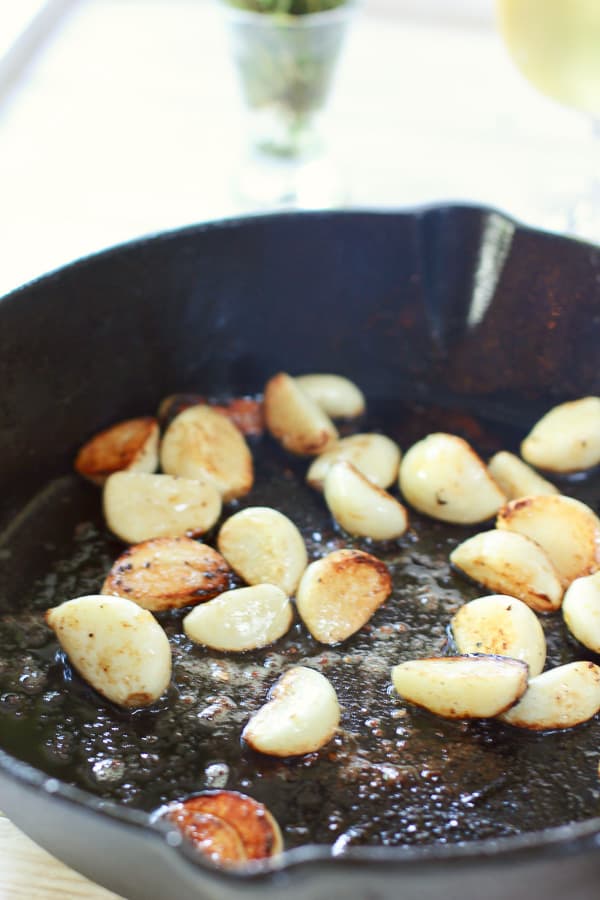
287 7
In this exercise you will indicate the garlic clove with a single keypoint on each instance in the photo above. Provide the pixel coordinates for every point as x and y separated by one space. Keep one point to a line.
202 444
462 687
499 625
515 478
241 619
131 446
168 573
118 648
567 438
360 507
294 419
337 396
211 836
262 545
302 715
581 610
376 456
138 507
339 593
559 698
510 563
443 477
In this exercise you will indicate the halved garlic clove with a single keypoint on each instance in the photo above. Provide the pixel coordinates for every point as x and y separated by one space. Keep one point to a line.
360 507
443 477
515 478
559 698
246 413
258 832
263 545
462 687
337 396
168 573
376 456
131 445
138 507
510 563
302 715
201 443
581 610
339 593
566 529
118 648
499 625
567 438
211 836
294 419
241 619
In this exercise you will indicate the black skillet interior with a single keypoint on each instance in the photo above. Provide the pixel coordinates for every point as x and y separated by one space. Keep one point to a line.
449 318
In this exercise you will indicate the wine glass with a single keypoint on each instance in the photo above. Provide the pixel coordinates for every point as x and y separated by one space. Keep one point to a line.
556 46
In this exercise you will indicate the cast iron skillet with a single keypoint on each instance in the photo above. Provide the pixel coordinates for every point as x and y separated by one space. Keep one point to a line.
448 306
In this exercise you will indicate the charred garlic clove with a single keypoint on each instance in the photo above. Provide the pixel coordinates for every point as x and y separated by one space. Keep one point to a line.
227 826
128 446
337 396
201 443
443 477
339 593
118 648
360 507
138 507
262 545
567 438
581 610
241 619
500 626
376 456
302 715
559 698
566 529
462 687
515 478
168 573
510 563
294 419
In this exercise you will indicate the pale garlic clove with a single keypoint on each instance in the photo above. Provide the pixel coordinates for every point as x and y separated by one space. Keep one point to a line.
499 625
462 687
510 563
130 446
294 419
302 715
566 529
336 395
581 610
168 573
339 593
263 545
567 438
515 478
138 507
376 456
559 698
258 832
360 507
201 443
443 477
241 619
118 648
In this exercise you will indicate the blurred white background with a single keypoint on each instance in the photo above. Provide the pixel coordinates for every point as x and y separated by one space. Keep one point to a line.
121 117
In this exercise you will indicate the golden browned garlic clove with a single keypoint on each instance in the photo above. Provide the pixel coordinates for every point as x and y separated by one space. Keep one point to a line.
443 477
339 593
515 478
567 438
499 625
360 507
462 687
203 444
510 563
336 395
294 419
581 610
168 573
376 456
302 715
118 648
131 446
559 698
